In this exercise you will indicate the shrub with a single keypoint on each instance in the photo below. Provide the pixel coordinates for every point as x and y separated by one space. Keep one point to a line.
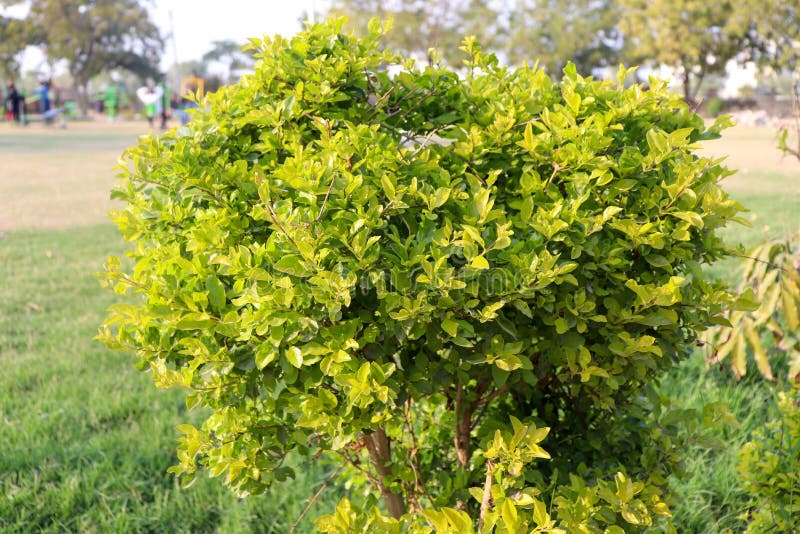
420 275
768 469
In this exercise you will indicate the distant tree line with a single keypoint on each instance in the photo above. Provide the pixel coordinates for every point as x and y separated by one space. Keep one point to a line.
96 36
696 37
92 36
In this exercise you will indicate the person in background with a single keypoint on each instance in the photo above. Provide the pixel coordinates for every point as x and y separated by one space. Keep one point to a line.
15 102
98 102
164 104
44 96
151 98
110 102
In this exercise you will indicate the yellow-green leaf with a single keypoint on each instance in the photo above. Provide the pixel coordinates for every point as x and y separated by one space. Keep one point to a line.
479 262
295 356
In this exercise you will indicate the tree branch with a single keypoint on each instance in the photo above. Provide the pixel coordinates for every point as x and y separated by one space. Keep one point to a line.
316 496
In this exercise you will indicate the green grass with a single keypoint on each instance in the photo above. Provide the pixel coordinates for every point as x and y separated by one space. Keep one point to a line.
86 439
772 200
708 497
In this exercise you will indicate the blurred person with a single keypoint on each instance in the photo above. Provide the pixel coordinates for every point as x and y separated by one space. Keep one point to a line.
44 96
110 102
15 103
151 98
164 104
98 102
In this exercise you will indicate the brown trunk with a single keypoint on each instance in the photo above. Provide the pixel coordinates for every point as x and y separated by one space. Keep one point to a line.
83 98
380 452
687 85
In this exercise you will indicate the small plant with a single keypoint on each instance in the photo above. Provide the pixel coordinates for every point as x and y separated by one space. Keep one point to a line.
768 468
771 284
420 276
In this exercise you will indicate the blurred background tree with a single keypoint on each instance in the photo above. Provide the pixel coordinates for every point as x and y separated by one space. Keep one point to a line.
230 54
775 31
555 32
699 37
15 36
97 35
420 25
696 38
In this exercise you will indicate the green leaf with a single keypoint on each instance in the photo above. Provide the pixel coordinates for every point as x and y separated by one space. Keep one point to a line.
440 196
746 301
294 356
561 325
388 187
216 292
540 515
658 142
450 326
691 217
195 321
292 264
479 262
510 516
636 513
265 354
573 100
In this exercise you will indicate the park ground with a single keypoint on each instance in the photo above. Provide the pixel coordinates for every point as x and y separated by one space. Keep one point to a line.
85 439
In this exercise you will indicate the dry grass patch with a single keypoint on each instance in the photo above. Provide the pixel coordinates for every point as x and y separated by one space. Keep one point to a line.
60 178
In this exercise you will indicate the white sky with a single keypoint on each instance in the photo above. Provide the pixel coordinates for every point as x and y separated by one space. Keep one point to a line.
199 22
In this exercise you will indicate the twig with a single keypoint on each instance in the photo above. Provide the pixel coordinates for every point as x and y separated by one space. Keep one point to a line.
773 265
488 398
275 220
427 140
316 496
484 404
413 455
556 169
354 464
325 200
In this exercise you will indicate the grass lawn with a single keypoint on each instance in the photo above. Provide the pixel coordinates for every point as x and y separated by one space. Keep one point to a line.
85 439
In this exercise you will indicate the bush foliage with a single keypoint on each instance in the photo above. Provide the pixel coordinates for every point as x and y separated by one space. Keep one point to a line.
423 275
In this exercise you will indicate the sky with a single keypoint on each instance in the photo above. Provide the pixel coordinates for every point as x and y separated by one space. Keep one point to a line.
197 23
